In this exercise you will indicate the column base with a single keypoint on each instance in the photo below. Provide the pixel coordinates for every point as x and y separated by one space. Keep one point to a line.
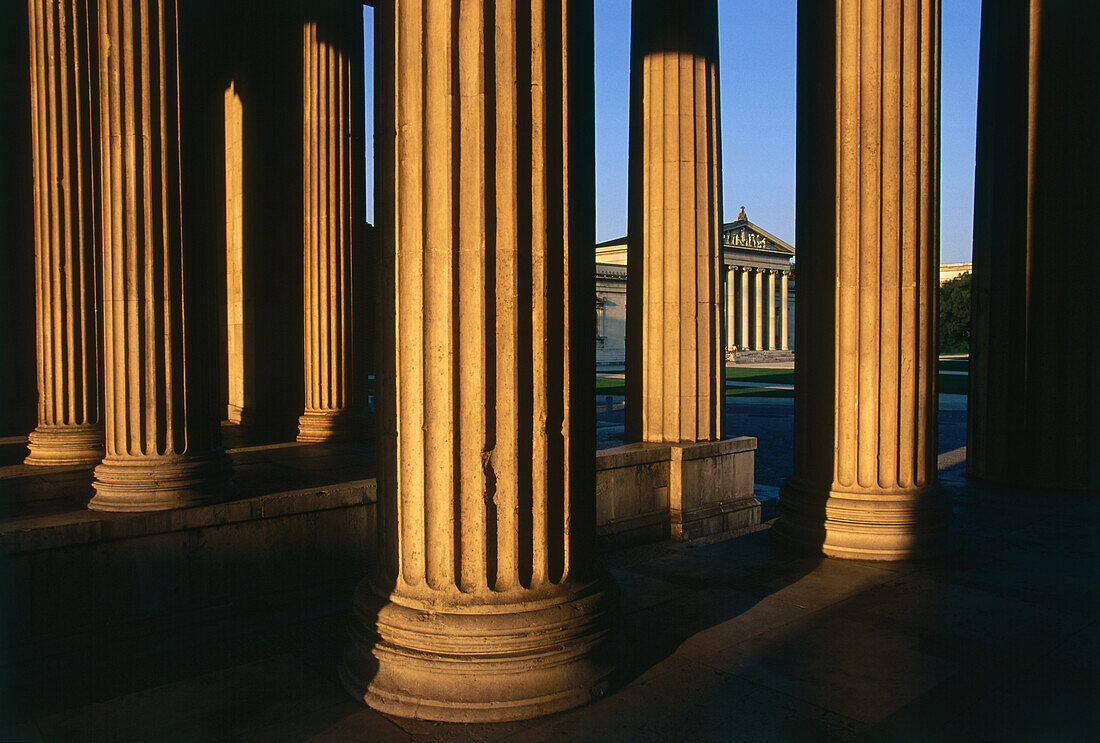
319 426
65 445
864 525
160 483
480 662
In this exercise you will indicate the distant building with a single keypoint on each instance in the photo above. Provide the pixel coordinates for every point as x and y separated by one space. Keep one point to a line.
758 292
950 271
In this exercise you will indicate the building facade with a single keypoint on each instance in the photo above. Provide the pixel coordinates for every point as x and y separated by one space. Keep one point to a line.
757 298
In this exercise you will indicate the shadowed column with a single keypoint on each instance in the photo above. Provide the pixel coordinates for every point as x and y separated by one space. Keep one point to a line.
332 59
484 605
1034 403
65 155
163 448
864 483
675 358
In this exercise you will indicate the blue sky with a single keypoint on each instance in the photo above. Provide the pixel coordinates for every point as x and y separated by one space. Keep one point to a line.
758 116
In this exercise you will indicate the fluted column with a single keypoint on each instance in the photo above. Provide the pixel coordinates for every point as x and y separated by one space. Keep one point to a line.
731 306
485 605
162 439
757 309
784 328
744 341
1034 403
674 355
331 114
864 482
65 151
769 342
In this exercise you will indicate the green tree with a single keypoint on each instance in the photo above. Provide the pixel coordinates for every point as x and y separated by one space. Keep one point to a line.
954 318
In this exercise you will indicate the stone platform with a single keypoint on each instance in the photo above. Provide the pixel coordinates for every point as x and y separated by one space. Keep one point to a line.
734 639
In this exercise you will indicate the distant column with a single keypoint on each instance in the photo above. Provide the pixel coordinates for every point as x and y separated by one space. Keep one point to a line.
731 306
743 308
784 328
332 189
163 442
674 361
1034 403
758 309
864 483
770 299
484 605
65 150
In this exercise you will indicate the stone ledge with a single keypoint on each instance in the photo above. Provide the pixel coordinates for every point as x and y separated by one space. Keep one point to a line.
58 531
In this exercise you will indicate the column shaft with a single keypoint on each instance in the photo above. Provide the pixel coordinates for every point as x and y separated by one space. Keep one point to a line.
484 606
162 438
1034 403
731 306
769 341
864 482
674 359
744 341
65 152
784 299
757 309
332 54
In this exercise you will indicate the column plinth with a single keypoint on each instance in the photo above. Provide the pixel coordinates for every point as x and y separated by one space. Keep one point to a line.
160 407
64 155
331 117
864 483
485 605
675 362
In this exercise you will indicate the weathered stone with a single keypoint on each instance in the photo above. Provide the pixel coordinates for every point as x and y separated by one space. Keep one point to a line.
65 152
864 483
484 605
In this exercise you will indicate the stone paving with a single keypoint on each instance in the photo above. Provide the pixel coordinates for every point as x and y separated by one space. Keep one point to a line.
736 639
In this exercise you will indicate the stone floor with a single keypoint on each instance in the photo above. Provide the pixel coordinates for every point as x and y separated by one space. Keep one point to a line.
736 639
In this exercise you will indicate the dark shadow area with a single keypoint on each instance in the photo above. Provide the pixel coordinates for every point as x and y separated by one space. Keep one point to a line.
17 326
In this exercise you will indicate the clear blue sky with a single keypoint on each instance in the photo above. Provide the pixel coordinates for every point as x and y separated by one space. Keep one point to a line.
758 116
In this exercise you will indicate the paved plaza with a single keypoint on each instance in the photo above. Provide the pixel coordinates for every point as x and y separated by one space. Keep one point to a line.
733 639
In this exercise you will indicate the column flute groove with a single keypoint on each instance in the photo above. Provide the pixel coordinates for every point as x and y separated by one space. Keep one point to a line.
675 358
65 155
162 439
485 601
864 483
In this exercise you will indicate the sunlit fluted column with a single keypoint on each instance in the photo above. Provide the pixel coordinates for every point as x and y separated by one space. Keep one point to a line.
784 299
160 406
729 272
744 341
1034 403
757 309
864 482
485 605
769 341
674 354
64 153
332 56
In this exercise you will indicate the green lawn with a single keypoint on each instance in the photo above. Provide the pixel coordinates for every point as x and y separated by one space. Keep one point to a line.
952 384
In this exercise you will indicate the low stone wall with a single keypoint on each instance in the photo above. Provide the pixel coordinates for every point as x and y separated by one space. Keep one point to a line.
649 492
